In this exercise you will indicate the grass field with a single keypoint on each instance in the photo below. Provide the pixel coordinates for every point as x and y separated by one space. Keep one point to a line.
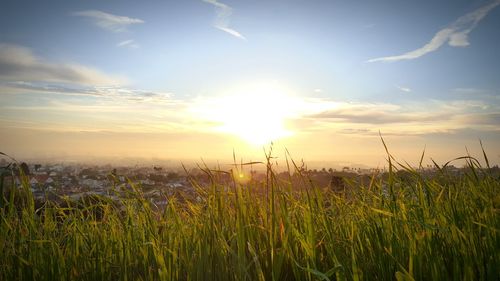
446 227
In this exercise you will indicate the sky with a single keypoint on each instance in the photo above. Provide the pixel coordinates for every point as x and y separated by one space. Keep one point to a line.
203 78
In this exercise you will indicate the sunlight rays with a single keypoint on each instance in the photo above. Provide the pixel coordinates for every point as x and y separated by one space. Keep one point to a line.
255 113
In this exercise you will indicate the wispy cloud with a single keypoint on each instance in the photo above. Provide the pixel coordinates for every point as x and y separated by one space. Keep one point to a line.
127 109
73 107
108 21
319 115
378 114
492 118
222 18
128 44
404 89
426 117
116 93
456 35
19 63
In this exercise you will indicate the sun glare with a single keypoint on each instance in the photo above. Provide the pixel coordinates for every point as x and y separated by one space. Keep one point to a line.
256 114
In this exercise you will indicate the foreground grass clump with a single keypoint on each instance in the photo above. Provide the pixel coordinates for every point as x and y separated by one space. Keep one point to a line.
413 228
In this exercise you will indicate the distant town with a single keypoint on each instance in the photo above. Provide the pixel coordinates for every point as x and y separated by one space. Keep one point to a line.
73 181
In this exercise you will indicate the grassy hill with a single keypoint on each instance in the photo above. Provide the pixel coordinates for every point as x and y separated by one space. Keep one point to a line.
445 227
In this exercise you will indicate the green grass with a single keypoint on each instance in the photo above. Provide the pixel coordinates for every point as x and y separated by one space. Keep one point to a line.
412 228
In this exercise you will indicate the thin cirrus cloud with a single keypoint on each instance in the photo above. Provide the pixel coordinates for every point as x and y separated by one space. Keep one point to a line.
372 113
162 111
108 21
306 115
411 119
111 92
456 35
112 107
18 63
491 118
223 17
404 89
131 44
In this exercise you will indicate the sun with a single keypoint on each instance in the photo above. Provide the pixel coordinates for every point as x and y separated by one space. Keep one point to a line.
256 113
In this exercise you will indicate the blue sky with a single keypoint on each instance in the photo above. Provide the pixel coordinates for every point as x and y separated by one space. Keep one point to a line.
421 72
